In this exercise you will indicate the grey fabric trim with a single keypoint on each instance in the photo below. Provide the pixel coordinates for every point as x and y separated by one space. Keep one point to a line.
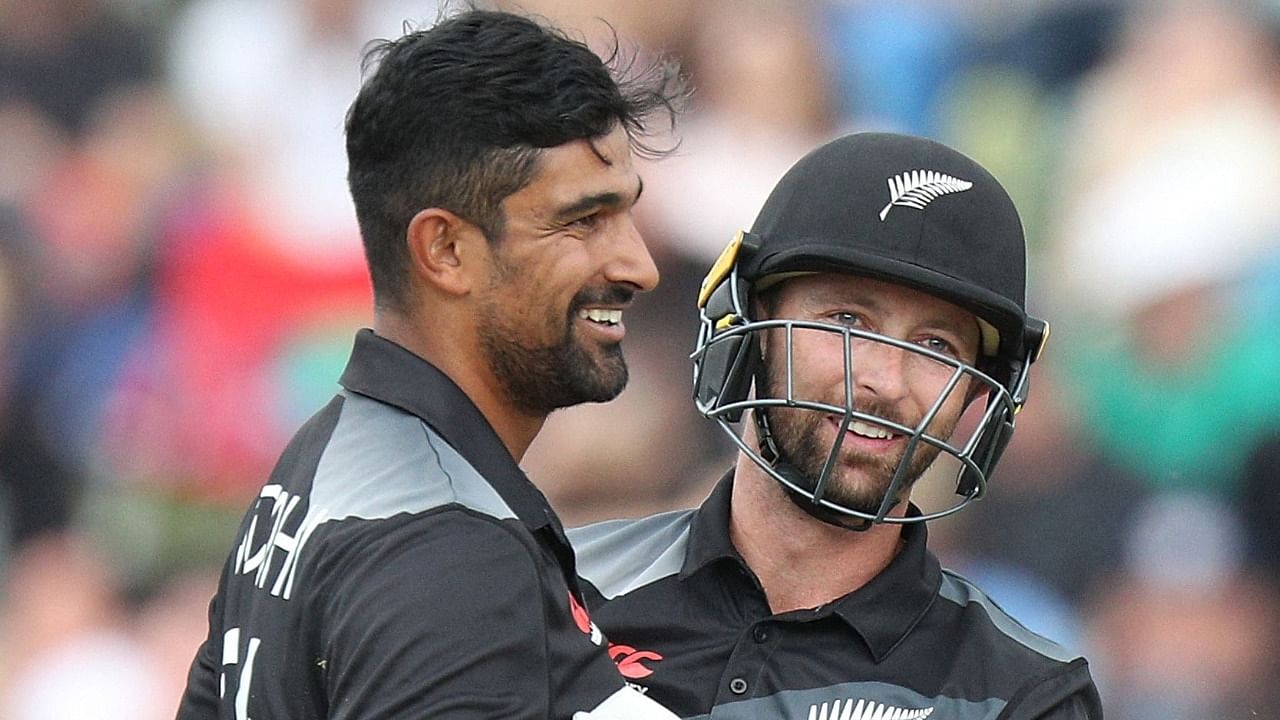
379 462
858 701
618 556
963 592
382 461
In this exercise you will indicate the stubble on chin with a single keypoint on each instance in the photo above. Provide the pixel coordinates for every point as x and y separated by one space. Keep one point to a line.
859 481
539 380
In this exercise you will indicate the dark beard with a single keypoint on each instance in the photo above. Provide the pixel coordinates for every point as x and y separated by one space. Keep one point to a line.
795 435
541 379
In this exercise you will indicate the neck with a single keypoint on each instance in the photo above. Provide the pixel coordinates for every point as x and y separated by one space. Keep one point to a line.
443 346
801 561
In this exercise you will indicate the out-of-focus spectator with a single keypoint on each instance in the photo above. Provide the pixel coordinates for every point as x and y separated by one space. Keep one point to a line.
652 26
149 369
78 144
1260 508
1050 486
37 485
1164 161
245 338
62 56
74 647
1169 199
1185 632
267 83
894 61
762 101
93 223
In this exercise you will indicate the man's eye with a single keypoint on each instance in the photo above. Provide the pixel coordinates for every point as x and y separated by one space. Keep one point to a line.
939 345
586 221
845 318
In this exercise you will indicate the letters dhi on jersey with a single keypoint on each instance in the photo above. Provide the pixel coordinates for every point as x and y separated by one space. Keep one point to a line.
276 506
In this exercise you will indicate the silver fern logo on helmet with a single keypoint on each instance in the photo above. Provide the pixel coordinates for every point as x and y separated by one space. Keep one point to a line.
918 188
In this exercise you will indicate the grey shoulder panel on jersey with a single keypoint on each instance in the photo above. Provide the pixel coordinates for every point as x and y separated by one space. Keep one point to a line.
382 461
858 701
618 556
963 592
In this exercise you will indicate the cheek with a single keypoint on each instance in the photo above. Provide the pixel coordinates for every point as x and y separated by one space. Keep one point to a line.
559 283
808 369
953 406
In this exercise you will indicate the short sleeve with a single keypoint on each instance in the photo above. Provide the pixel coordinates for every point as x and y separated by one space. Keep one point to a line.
1068 695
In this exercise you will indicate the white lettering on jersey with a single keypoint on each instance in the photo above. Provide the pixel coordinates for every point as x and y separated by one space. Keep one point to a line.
258 560
626 704
231 656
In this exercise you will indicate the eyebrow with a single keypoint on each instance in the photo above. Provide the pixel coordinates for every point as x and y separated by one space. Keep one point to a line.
938 322
591 202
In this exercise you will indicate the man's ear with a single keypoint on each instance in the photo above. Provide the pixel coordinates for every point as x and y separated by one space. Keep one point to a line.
444 250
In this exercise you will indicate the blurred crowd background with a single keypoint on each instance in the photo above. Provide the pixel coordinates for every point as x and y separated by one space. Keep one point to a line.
180 280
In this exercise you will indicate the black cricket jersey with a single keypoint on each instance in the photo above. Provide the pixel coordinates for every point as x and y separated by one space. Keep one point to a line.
398 564
689 624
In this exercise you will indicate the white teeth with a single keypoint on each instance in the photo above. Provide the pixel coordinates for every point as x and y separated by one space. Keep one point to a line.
608 317
871 431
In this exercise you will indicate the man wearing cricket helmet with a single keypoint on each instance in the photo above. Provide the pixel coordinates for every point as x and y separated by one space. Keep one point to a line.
868 332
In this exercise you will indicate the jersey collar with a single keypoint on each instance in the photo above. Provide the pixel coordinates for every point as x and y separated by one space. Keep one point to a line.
886 609
883 612
384 371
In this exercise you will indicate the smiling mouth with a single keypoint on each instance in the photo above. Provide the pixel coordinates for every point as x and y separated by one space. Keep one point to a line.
867 430
601 316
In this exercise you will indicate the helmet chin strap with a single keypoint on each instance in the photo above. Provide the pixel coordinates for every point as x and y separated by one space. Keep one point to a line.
770 452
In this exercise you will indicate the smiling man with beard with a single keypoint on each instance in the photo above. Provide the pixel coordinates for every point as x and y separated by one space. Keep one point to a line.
868 334
398 563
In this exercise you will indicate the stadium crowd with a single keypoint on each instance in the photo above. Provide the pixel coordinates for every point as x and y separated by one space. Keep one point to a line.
180 279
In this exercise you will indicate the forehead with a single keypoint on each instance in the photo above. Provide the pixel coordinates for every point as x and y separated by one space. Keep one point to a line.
581 168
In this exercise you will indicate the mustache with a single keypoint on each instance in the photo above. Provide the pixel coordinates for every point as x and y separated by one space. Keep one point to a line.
613 294
882 411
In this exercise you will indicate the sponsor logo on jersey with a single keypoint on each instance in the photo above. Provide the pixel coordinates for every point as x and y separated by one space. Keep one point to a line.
628 660
584 622
625 657
918 188
865 710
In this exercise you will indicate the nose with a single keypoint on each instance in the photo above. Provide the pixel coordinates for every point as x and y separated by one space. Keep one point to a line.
879 371
631 262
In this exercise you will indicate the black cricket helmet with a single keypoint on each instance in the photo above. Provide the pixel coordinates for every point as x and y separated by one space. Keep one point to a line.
895 208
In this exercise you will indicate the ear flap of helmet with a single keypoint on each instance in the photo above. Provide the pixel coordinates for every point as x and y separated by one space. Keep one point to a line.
725 373
971 482
726 363
992 445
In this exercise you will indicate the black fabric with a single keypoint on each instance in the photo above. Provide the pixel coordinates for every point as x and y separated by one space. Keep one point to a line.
416 608
833 211
703 638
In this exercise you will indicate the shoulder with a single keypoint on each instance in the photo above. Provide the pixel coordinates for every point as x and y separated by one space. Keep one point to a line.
1046 679
387 494
618 556
381 461
430 580
441 556
1000 627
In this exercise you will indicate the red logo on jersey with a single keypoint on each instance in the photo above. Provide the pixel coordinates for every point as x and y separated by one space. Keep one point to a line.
579 614
628 660
583 621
